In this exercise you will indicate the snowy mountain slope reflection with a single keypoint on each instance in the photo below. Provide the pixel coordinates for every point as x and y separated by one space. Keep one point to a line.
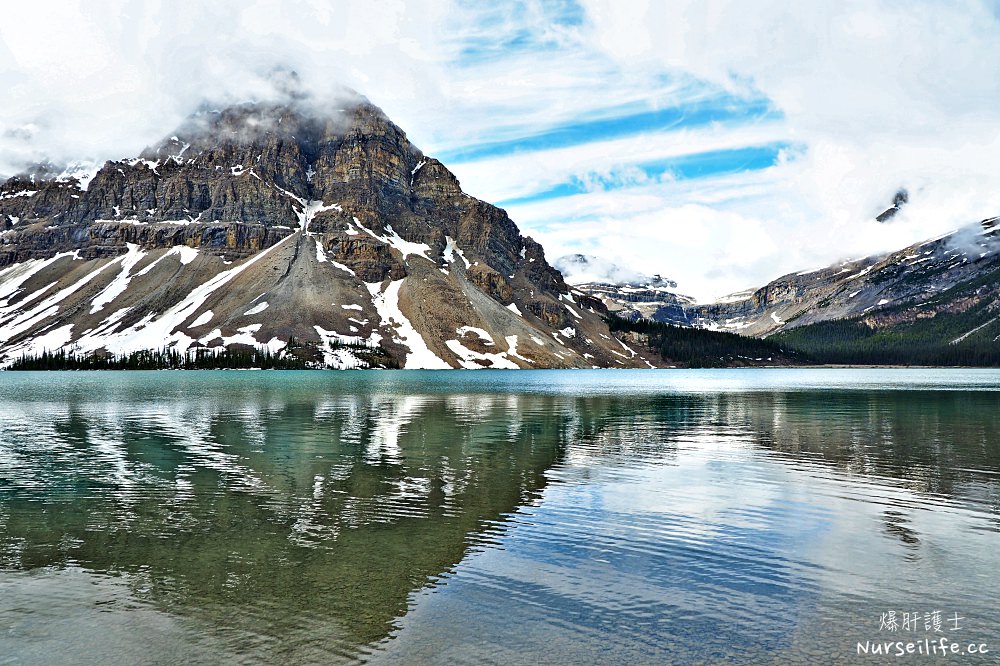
281 520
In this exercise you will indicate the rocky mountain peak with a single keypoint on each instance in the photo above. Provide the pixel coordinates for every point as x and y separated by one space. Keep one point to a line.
292 149
355 209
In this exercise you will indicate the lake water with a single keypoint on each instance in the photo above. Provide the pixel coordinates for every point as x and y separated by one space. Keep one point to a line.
564 517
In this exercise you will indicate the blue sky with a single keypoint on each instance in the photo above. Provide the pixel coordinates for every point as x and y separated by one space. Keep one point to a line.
765 143
721 143
538 32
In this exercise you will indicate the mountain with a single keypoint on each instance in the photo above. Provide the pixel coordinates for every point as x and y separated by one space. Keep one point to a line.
939 304
316 232
625 292
953 273
901 198
932 303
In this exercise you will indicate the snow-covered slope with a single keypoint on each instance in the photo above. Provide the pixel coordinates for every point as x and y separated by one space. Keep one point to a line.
921 280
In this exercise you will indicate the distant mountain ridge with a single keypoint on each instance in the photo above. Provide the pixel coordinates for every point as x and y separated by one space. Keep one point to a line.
934 302
911 282
625 292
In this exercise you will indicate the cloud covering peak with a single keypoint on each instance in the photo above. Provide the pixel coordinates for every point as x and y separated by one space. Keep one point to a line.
115 75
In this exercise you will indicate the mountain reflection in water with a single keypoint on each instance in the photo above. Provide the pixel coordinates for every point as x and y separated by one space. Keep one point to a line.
312 516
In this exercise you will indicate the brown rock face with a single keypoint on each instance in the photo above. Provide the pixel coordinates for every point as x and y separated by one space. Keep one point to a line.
433 180
325 224
491 282
370 260
553 316
538 270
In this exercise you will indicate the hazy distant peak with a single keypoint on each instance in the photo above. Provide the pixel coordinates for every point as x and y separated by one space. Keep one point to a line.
900 199
584 268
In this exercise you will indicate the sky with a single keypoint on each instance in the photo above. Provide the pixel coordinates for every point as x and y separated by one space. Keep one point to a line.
719 143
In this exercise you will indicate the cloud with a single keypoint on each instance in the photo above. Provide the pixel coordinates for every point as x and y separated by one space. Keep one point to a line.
104 78
581 269
522 173
882 95
714 249
575 113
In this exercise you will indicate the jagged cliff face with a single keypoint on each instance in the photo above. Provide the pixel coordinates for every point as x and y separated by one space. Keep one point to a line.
264 224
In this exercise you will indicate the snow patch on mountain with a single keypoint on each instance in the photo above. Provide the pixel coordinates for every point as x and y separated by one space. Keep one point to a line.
22 321
120 283
257 309
386 303
155 332
395 241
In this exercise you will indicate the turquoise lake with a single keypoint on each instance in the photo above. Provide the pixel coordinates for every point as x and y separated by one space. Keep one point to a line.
506 517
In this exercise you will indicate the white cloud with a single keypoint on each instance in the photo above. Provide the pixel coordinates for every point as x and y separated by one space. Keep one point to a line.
882 94
707 247
520 174
707 242
104 78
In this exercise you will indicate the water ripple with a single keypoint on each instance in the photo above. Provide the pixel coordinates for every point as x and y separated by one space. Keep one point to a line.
469 517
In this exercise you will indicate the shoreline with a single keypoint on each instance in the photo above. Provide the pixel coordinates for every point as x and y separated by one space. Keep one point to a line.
733 367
